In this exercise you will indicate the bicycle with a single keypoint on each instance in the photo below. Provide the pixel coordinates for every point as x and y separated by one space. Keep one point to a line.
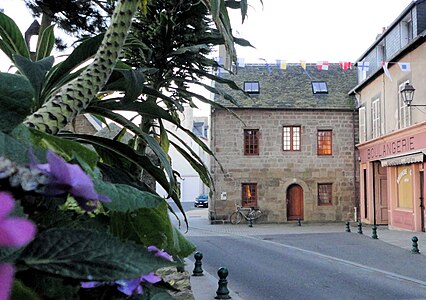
249 213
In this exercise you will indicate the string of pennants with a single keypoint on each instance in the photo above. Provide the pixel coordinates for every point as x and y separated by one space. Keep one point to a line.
323 65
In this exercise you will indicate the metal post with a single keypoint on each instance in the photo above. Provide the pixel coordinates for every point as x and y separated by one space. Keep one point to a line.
198 270
374 235
348 227
222 290
415 246
359 227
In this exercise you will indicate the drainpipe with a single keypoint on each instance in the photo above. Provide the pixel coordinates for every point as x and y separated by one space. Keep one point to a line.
355 159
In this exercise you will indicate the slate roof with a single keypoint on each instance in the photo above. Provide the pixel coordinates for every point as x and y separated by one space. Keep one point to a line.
291 88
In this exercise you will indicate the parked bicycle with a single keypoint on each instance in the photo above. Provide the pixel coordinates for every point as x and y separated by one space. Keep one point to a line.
248 213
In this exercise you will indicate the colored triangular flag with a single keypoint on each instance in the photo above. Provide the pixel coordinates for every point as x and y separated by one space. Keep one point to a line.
267 66
405 66
282 64
386 70
322 65
363 65
303 64
345 65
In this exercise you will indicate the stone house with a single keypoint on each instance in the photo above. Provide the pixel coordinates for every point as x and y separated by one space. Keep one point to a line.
289 147
392 132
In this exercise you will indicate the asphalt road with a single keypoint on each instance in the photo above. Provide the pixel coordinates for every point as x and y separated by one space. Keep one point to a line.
314 266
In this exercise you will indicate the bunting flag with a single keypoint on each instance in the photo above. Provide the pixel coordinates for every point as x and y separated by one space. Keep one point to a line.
282 64
405 66
267 66
345 65
241 63
322 65
386 70
363 65
303 64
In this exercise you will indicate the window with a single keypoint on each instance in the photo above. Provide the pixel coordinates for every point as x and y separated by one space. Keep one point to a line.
404 115
404 187
291 138
406 30
362 125
324 143
251 141
249 194
375 118
325 194
252 87
319 87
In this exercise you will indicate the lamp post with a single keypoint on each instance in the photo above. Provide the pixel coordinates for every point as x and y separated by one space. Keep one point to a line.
407 93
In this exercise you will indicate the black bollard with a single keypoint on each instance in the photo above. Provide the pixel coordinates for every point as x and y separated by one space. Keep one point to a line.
348 227
222 290
374 235
359 227
299 222
250 222
415 248
198 271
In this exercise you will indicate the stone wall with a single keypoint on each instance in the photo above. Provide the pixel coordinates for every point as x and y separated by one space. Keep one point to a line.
274 170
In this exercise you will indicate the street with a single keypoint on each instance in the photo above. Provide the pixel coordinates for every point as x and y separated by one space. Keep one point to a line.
312 266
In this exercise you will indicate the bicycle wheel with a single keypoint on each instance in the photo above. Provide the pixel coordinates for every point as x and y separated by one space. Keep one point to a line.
235 218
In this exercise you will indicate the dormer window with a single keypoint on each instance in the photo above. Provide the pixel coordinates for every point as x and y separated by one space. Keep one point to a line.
319 87
252 87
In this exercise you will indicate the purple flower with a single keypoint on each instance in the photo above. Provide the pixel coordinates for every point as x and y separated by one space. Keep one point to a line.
14 232
160 253
69 178
128 287
6 280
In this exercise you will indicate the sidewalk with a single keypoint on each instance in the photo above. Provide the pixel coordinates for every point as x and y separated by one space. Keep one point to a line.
205 287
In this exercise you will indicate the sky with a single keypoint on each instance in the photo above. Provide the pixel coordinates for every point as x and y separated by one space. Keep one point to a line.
314 30
290 30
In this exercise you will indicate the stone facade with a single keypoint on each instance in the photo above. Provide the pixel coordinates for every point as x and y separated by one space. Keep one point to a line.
274 170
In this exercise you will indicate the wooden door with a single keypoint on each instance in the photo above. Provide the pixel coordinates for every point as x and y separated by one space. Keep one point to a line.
381 195
294 202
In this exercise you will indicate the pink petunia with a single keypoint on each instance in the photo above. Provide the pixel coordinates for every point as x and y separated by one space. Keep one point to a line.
14 232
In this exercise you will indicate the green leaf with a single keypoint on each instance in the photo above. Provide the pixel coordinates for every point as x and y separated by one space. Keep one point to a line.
20 291
126 198
66 148
35 72
129 81
61 73
17 151
16 100
89 256
46 42
12 41
151 226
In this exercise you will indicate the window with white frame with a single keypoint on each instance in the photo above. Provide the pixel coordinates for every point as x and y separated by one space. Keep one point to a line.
406 30
362 125
404 112
375 118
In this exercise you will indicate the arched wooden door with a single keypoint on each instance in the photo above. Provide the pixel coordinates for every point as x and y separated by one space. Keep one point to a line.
294 202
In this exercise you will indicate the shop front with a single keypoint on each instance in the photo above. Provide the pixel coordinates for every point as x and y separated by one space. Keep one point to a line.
392 179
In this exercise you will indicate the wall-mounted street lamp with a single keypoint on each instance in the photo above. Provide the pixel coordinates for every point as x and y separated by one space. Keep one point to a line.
407 93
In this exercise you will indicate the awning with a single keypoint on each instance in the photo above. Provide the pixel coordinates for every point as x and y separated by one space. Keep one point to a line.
403 159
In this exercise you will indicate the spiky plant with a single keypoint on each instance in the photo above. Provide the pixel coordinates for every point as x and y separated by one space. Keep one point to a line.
74 97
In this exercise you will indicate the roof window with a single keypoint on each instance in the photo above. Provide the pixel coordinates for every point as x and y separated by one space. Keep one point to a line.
252 87
319 87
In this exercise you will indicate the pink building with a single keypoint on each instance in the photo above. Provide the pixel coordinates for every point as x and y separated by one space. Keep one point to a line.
392 132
